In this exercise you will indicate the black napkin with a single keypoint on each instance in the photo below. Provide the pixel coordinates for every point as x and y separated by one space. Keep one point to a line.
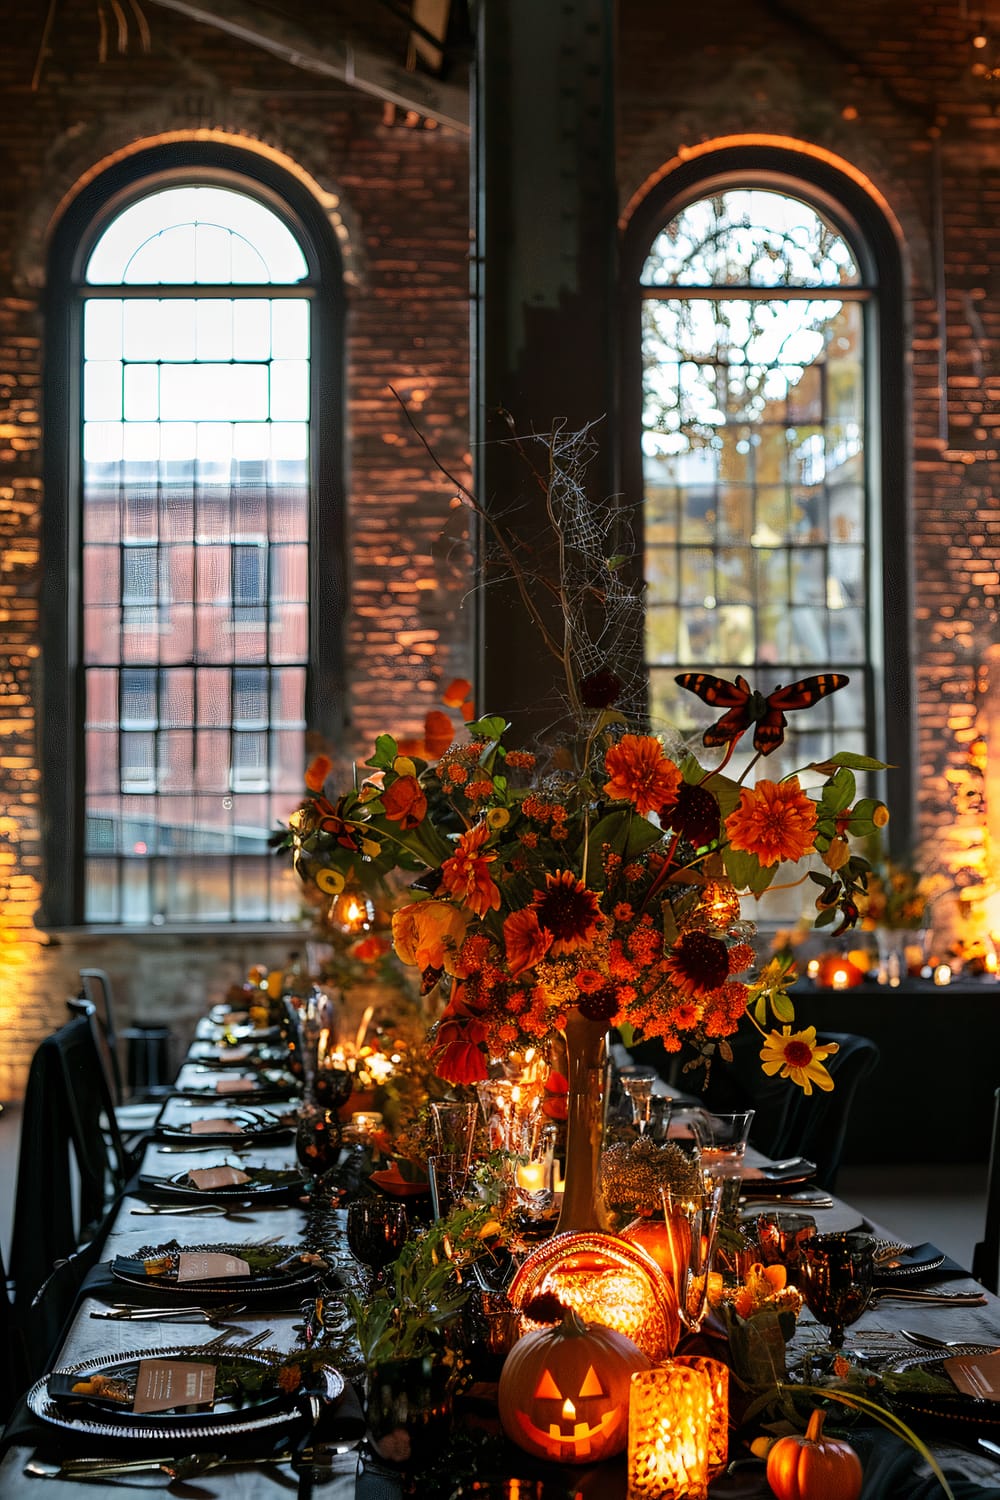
900 1276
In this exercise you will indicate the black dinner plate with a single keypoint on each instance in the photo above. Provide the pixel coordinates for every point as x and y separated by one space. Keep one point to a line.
273 1268
242 1055
766 1176
943 1408
262 1183
252 1126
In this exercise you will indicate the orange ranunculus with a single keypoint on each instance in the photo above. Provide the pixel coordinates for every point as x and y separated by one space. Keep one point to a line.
438 733
466 874
641 774
775 820
319 769
525 942
404 802
456 693
428 934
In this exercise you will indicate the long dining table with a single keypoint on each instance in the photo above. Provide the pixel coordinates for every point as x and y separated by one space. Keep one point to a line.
336 1461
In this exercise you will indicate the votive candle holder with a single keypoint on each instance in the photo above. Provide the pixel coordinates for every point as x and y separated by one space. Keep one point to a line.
718 1410
669 1424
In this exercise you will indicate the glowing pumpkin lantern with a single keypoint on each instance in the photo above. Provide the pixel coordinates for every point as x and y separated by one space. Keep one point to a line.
564 1391
605 1280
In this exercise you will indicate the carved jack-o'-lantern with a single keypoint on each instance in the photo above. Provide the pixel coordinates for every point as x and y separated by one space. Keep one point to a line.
606 1280
564 1391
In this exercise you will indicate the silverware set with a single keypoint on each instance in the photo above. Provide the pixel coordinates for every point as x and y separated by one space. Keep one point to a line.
122 1312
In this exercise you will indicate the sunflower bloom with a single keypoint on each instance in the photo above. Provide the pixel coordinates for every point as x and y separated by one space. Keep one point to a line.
466 875
775 820
798 1056
641 774
525 942
569 910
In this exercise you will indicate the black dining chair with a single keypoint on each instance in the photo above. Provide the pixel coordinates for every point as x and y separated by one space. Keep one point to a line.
986 1255
14 1372
96 987
72 1164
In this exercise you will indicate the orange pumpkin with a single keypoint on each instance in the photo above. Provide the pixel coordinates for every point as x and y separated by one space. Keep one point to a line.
810 1466
564 1391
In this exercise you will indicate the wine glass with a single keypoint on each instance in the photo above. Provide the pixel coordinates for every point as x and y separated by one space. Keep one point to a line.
332 1087
836 1276
723 1141
691 1221
318 1139
637 1083
376 1233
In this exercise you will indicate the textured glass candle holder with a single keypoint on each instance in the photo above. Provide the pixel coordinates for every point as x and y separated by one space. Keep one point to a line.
669 1423
718 1412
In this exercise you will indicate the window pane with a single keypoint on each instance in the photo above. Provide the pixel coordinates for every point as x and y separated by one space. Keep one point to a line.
195 559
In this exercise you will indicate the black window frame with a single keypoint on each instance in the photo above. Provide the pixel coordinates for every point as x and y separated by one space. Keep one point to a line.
61 707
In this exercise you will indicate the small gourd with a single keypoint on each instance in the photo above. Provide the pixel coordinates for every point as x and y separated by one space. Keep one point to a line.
564 1391
810 1466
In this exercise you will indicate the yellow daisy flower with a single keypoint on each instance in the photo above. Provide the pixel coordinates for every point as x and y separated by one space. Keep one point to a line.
798 1056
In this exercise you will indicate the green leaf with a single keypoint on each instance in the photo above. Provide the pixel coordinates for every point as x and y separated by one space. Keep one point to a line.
825 917
854 762
746 871
493 727
782 1006
386 751
760 1010
839 792
625 832
627 1033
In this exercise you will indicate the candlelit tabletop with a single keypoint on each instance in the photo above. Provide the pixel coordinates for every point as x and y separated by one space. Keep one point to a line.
341 1464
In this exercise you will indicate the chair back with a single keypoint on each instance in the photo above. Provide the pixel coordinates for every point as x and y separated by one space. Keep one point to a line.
986 1256
71 1167
96 987
816 1124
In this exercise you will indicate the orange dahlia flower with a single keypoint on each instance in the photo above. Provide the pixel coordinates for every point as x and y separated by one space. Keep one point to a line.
775 820
641 774
466 875
525 941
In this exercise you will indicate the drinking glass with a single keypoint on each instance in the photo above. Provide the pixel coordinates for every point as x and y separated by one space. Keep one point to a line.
781 1239
376 1233
454 1131
691 1222
836 1277
637 1083
332 1087
448 1179
318 1139
723 1140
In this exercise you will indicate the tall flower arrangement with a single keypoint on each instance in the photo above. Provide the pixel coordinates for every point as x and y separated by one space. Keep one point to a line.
602 871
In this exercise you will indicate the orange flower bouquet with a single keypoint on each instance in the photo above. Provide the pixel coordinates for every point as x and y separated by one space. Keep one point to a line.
602 873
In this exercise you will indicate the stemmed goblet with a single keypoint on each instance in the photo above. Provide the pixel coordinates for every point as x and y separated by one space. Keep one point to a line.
318 1139
637 1084
376 1234
332 1087
836 1276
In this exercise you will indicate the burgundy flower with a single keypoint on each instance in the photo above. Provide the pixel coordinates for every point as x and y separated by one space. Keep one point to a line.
695 814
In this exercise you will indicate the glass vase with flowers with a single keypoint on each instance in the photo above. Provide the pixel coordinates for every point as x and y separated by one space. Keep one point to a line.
594 880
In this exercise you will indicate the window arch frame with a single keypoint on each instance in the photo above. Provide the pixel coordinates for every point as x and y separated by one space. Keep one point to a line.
854 212
61 706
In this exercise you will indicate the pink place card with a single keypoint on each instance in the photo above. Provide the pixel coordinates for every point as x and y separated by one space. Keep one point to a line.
234 1085
207 1178
218 1125
232 1054
164 1384
209 1265
976 1375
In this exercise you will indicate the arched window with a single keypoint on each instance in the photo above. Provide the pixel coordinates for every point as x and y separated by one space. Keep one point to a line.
763 329
196 305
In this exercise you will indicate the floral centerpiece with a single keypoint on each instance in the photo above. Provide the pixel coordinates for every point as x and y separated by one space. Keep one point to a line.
594 879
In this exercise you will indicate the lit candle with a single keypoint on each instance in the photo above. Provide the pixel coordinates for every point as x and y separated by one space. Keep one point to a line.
365 1121
668 1433
812 968
942 974
532 1175
839 980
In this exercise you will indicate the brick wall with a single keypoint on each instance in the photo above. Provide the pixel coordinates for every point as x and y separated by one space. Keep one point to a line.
396 191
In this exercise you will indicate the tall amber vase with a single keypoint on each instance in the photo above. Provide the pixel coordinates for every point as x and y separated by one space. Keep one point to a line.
586 1104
